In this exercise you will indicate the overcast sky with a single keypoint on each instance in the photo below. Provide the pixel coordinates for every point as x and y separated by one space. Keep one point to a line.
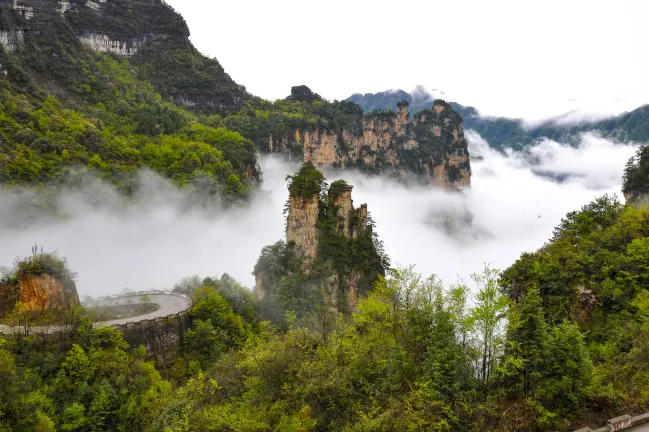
506 57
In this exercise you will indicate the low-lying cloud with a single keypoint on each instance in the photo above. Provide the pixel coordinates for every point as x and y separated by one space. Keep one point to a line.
157 239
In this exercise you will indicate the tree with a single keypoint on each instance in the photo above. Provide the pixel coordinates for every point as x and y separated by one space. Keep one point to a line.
487 318
527 346
567 372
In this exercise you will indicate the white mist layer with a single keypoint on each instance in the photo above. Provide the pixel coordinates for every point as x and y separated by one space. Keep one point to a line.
154 242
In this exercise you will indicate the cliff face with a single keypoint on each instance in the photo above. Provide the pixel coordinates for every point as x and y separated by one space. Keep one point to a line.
301 226
431 146
345 223
115 26
42 292
331 256
148 32
38 293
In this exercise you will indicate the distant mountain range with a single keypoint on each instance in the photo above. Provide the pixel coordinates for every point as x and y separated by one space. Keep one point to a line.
503 132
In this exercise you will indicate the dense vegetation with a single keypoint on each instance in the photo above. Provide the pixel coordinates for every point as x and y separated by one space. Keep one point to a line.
67 110
503 133
558 340
635 181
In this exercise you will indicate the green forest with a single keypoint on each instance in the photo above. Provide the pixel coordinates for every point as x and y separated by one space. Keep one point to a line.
557 340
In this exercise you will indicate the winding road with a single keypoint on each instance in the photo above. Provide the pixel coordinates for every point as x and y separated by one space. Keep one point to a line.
168 304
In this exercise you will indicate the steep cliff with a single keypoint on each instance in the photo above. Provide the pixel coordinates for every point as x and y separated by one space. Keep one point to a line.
301 226
40 283
149 33
43 292
429 145
331 256
502 132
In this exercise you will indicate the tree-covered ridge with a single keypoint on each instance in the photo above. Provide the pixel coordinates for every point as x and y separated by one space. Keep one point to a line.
272 126
592 274
100 116
501 132
186 77
417 145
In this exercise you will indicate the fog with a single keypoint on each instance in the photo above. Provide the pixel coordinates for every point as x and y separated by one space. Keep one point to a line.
153 241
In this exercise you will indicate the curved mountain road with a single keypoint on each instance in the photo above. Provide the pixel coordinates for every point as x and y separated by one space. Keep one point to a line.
168 304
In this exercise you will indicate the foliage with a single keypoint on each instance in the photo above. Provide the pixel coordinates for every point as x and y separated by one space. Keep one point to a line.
636 174
586 288
91 113
307 182
181 73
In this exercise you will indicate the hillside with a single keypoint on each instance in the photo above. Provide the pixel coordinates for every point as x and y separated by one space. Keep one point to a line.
113 86
75 99
556 341
503 132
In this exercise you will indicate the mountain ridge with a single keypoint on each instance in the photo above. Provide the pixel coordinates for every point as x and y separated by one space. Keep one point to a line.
503 132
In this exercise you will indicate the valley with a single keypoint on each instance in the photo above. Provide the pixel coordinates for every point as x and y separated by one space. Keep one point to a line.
390 262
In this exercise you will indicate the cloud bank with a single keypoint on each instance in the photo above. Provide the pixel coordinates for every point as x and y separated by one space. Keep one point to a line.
156 239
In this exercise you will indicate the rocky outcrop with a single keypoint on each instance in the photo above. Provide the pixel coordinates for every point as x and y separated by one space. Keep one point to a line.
101 25
38 293
149 33
431 146
331 256
301 226
103 43
43 292
350 220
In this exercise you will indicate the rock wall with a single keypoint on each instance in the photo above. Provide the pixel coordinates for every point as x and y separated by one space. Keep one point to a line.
431 145
101 25
103 43
301 227
42 292
162 337
11 40
38 293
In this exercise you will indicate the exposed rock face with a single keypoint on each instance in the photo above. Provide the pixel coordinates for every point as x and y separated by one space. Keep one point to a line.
259 285
101 24
331 256
301 226
125 28
103 43
38 293
350 219
44 292
431 145
11 40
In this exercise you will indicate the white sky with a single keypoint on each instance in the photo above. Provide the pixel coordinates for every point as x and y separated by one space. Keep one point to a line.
529 59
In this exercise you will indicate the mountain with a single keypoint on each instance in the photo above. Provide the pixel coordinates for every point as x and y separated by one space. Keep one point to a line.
113 86
503 132
91 87
430 146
